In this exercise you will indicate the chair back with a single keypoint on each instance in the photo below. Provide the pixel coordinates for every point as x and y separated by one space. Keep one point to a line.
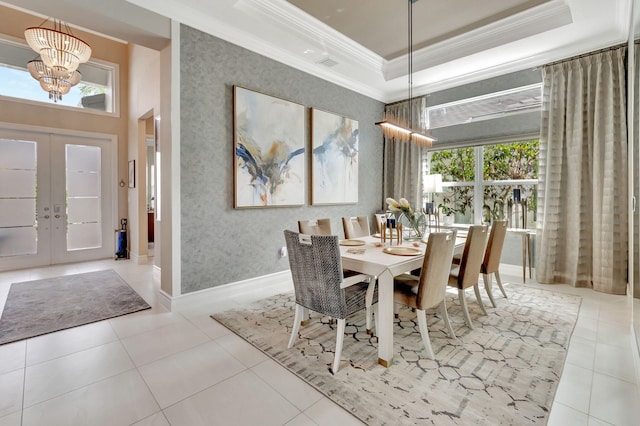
355 227
472 256
379 218
435 269
316 269
315 227
493 252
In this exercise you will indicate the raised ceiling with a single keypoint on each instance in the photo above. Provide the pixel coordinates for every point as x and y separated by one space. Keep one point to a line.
381 25
361 44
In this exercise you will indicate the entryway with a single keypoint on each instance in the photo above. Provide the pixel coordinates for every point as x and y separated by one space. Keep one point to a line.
56 194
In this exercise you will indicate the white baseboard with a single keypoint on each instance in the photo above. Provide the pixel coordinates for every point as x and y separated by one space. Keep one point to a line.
139 259
213 294
156 269
635 350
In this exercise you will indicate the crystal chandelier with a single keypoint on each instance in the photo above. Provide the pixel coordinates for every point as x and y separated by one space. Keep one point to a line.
53 80
60 55
403 130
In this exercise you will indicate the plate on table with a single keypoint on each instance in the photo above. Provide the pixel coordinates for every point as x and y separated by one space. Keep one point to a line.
352 243
402 251
389 234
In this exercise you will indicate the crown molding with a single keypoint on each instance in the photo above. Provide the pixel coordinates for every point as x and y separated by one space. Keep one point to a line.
542 18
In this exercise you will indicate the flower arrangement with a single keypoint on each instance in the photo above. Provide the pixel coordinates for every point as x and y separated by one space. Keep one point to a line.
403 208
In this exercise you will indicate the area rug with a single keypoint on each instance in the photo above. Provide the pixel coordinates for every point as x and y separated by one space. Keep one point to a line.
504 371
39 307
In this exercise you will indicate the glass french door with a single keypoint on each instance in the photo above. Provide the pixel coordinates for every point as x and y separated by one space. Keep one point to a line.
55 199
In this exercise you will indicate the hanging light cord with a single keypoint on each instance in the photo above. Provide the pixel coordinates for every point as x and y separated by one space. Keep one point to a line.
410 62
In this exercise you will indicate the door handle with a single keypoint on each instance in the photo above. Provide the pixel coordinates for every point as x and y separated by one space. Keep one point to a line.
46 216
57 216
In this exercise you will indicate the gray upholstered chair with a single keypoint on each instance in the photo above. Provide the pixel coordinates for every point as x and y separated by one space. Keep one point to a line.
355 227
429 290
315 227
493 252
320 286
467 273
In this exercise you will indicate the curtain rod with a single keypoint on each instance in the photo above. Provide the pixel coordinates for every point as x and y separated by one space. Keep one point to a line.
584 55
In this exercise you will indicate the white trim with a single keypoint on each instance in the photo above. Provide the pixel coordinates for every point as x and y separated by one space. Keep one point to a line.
215 294
635 350
139 259
542 18
156 269
176 235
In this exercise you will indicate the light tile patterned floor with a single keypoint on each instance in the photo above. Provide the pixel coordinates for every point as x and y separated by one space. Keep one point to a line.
168 368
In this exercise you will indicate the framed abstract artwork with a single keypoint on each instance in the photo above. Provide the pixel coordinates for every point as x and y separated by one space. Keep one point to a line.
269 150
334 162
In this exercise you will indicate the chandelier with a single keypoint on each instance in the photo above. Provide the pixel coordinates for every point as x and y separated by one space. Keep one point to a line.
60 55
53 80
394 127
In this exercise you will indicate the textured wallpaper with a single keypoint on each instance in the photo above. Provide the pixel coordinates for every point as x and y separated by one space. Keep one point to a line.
221 244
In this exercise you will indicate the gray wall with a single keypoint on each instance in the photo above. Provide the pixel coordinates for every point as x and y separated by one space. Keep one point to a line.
221 244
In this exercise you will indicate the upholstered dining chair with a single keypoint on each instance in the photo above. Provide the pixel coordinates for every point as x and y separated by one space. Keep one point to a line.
491 262
323 227
355 227
429 289
467 273
320 286
315 227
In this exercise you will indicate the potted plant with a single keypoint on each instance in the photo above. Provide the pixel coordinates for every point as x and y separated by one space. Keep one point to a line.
448 213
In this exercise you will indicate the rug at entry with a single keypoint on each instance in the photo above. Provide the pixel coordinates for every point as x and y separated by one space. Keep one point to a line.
504 371
43 306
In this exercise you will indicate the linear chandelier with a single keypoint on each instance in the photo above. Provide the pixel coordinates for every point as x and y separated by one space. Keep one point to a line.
394 127
60 55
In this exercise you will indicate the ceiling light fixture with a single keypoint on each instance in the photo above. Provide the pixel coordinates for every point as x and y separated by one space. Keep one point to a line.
394 127
52 80
60 55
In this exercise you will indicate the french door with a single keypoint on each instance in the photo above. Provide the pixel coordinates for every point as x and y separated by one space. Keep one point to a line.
55 198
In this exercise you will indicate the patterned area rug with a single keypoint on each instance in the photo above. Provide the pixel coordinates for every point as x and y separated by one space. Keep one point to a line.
504 371
39 307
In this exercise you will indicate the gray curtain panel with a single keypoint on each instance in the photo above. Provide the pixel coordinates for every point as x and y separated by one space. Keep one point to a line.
582 209
402 174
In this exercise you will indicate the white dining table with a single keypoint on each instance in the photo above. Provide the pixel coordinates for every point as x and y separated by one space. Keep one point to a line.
374 261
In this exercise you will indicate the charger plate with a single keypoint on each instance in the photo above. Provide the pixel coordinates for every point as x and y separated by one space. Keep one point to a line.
402 251
352 243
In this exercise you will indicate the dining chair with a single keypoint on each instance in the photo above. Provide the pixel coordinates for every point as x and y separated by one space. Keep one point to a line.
355 227
466 274
429 289
315 227
491 262
320 286
323 227
379 218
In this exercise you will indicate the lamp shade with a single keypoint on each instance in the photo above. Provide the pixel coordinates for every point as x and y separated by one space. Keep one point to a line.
433 183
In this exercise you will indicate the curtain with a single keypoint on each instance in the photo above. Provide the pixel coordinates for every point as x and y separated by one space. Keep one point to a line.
402 174
582 207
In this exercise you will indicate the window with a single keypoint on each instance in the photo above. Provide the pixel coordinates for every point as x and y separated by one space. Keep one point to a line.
486 183
94 93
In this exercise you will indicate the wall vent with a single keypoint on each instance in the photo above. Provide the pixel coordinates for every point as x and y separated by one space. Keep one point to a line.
327 62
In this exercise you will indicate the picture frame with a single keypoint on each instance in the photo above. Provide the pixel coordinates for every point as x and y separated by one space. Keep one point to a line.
132 173
269 153
334 158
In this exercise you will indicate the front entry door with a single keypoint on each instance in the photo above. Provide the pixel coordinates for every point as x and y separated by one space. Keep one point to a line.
55 199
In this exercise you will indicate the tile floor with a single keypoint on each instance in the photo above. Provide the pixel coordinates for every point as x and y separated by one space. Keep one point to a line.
182 368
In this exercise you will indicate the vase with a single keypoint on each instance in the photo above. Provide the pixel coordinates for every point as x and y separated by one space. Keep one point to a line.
413 226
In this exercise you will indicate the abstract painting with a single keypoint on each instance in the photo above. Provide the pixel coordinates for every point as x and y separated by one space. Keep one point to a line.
334 169
269 150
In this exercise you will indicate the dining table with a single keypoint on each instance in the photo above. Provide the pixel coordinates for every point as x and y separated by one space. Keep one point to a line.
369 255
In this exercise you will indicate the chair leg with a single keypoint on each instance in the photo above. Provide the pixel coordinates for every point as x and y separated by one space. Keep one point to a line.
305 317
445 318
369 301
297 319
487 287
463 305
476 290
424 332
499 281
339 341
